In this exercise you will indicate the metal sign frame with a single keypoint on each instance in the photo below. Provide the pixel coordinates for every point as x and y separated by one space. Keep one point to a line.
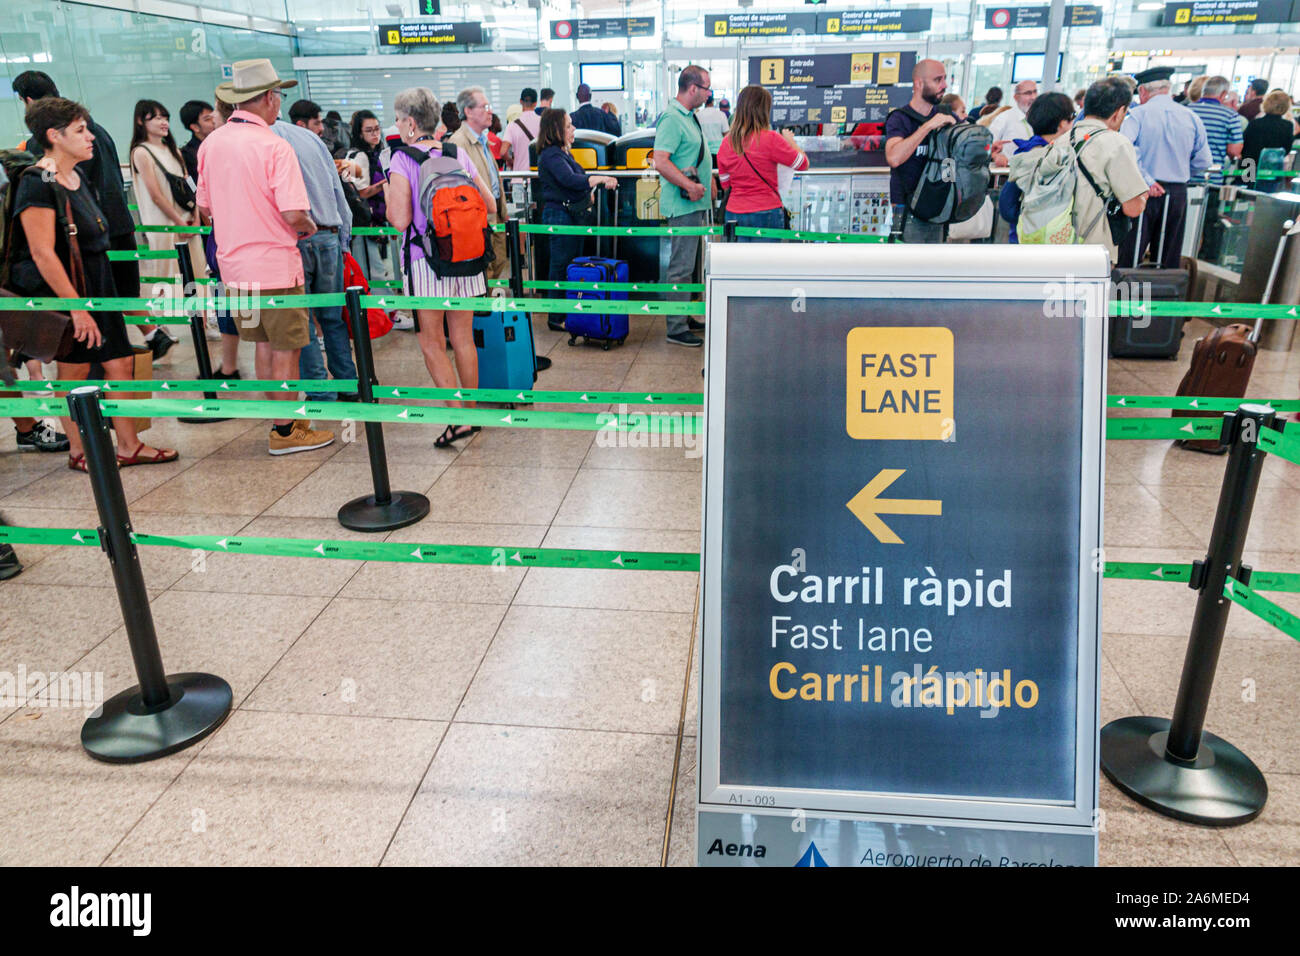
881 274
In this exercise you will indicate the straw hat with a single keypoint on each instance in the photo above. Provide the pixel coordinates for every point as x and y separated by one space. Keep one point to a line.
251 78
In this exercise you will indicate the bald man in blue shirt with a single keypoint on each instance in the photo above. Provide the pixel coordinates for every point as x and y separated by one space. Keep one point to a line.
1172 148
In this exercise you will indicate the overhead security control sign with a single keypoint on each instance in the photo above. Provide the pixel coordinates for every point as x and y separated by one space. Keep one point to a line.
1017 18
1205 12
912 20
793 24
900 573
430 34
603 29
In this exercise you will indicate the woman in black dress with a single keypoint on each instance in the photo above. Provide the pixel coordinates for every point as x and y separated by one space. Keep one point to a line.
44 262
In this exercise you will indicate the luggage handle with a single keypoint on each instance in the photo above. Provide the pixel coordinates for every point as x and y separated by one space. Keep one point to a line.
1289 229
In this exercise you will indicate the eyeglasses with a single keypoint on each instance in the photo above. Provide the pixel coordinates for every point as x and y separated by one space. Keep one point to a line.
706 89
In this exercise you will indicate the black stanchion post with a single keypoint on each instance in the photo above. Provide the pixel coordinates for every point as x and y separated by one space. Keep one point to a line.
198 330
729 230
1176 767
385 509
163 713
516 260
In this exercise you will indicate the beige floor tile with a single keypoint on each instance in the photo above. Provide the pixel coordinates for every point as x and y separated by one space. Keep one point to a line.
681 841
1136 836
1273 838
568 375
1134 517
72 488
378 659
63 808
458 583
657 349
652 499
334 484
49 628
19 469
287 790
538 448
228 487
1116 701
257 574
195 441
614 589
519 796
585 668
1275 519
162 566
403 445
1262 728
237 639
653 376
500 495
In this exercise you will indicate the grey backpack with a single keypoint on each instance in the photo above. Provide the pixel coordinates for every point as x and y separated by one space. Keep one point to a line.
955 178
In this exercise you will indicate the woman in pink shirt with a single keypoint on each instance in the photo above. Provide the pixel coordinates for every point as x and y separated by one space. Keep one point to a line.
417 117
748 161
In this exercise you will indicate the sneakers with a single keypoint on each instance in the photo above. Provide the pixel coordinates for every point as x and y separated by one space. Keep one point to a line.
217 373
555 325
402 321
159 342
694 325
43 437
10 566
300 438
687 339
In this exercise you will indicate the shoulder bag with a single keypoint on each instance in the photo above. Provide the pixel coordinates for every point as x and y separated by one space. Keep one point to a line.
1120 224
43 335
785 213
182 195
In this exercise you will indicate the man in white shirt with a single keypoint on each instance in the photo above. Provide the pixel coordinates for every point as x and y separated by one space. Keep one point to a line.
714 122
1011 124
522 130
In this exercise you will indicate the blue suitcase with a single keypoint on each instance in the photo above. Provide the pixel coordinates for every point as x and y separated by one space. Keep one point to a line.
606 328
505 350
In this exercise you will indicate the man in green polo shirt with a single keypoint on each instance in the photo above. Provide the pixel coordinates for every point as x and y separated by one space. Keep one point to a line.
686 189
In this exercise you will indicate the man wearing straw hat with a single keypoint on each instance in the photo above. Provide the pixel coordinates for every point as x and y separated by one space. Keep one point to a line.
251 186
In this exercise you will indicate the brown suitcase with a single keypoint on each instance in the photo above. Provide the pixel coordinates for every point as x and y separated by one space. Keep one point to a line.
1221 365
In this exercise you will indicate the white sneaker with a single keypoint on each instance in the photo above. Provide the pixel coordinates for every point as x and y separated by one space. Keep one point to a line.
402 321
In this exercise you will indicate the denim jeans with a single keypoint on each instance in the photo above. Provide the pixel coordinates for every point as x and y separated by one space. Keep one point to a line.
763 219
563 249
682 255
322 265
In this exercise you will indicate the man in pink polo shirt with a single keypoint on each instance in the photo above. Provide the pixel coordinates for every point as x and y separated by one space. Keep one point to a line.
251 186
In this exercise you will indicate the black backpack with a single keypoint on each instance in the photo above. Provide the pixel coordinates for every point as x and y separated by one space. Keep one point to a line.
360 208
15 162
955 177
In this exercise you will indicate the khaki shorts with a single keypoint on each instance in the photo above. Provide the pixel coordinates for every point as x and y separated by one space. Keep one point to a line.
284 329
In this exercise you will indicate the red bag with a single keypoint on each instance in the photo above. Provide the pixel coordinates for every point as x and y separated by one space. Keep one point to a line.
378 320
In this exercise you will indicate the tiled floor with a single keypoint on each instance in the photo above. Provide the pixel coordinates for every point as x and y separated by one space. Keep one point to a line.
397 714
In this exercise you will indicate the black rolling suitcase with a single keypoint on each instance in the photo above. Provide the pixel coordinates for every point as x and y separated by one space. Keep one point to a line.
1153 336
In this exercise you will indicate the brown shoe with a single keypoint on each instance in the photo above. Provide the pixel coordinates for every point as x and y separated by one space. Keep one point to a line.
300 438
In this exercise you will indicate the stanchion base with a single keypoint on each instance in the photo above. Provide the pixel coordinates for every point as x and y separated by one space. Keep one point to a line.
125 732
1222 789
363 514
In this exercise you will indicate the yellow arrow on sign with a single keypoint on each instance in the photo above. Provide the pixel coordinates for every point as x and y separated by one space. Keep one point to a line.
867 507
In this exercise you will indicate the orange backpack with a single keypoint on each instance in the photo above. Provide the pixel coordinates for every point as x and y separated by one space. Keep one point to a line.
458 241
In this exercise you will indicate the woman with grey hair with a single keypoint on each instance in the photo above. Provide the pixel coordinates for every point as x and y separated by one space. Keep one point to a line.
418 112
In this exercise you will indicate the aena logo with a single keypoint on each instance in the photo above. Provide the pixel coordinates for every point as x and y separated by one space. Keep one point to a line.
811 857
736 849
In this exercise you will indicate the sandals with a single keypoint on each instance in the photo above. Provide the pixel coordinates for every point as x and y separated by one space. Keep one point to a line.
137 457
451 435
159 457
